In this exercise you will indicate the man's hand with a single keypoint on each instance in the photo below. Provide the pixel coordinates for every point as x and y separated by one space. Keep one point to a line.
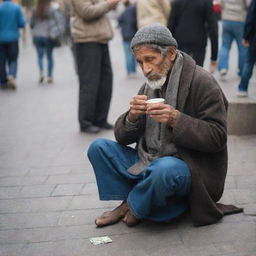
245 43
112 3
162 113
138 107
213 66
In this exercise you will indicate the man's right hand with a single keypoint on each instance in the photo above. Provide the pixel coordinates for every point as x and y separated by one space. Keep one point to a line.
138 107
112 3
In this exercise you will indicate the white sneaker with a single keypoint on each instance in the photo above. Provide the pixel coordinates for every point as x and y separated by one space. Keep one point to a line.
223 72
242 94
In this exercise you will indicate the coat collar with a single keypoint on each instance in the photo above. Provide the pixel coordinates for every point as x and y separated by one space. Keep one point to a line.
187 74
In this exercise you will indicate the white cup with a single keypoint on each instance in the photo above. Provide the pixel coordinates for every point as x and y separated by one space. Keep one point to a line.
155 100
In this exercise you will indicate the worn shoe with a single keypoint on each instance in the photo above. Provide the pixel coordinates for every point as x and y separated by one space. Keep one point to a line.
11 83
241 94
41 79
90 129
107 126
49 80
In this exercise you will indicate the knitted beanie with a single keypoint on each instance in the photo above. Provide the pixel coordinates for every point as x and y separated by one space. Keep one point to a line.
155 33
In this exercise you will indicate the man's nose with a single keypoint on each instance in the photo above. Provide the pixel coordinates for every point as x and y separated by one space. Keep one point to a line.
146 69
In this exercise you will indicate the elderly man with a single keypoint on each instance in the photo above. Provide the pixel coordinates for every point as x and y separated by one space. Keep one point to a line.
180 158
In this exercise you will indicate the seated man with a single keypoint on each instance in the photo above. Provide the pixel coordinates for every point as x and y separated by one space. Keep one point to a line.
180 158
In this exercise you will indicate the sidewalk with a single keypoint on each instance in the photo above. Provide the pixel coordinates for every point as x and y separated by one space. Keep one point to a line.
48 195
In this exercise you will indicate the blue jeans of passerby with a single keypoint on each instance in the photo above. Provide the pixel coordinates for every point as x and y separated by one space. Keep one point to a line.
159 193
248 68
232 30
129 58
43 45
8 57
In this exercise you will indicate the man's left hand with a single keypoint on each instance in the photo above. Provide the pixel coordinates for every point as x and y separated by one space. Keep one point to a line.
162 113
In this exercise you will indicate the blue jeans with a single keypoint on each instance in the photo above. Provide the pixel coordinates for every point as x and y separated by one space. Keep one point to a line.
159 193
248 68
232 30
43 45
8 57
129 58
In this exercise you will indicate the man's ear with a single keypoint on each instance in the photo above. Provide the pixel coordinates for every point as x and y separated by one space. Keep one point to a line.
172 53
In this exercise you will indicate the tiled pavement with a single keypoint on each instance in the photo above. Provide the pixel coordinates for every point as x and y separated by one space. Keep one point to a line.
48 195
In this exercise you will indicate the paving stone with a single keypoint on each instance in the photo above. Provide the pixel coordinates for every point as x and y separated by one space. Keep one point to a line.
50 170
36 191
246 182
89 189
67 189
250 210
34 204
7 172
28 220
245 196
20 181
11 250
67 179
9 192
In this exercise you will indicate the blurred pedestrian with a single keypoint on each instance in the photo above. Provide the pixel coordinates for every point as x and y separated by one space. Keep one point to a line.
128 23
152 11
91 31
46 23
11 19
233 13
249 41
191 22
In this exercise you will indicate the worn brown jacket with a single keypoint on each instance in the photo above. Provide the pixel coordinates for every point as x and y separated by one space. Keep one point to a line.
200 136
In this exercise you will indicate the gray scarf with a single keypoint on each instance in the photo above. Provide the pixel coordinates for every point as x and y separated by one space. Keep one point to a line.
152 145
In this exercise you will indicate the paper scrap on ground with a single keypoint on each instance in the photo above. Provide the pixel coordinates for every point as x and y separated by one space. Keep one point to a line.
100 240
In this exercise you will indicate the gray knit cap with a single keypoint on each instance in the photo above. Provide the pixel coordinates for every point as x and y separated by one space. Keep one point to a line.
155 33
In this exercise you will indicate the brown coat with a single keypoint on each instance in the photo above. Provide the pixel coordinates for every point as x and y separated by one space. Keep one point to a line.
200 136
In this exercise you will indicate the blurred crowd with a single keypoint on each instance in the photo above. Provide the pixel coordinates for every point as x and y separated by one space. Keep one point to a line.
85 26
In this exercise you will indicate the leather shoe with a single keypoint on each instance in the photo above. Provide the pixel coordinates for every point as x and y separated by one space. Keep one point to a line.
107 126
90 129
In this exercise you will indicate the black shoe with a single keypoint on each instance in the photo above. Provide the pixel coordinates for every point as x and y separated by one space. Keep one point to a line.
90 129
107 126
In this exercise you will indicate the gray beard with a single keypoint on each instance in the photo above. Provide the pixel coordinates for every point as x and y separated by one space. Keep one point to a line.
156 84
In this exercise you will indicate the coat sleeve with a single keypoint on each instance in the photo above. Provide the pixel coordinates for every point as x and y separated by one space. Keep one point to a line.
205 131
89 11
126 135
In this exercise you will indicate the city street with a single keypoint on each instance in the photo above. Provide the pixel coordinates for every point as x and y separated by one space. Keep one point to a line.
48 194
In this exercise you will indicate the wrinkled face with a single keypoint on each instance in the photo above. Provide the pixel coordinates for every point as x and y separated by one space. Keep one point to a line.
154 65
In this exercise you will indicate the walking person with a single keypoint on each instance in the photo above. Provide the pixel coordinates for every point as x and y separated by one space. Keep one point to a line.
11 20
180 158
249 41
191 22
233 14
128 23
152 11
44 20
91 31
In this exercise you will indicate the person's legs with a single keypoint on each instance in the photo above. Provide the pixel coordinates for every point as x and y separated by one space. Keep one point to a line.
89 61
3 62
247 71
39 44
110 161
227 38
13 51
238 29
104 92
199 55
161 195
50 61
129 58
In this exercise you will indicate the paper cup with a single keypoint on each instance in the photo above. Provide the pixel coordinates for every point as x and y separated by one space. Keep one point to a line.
155 100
